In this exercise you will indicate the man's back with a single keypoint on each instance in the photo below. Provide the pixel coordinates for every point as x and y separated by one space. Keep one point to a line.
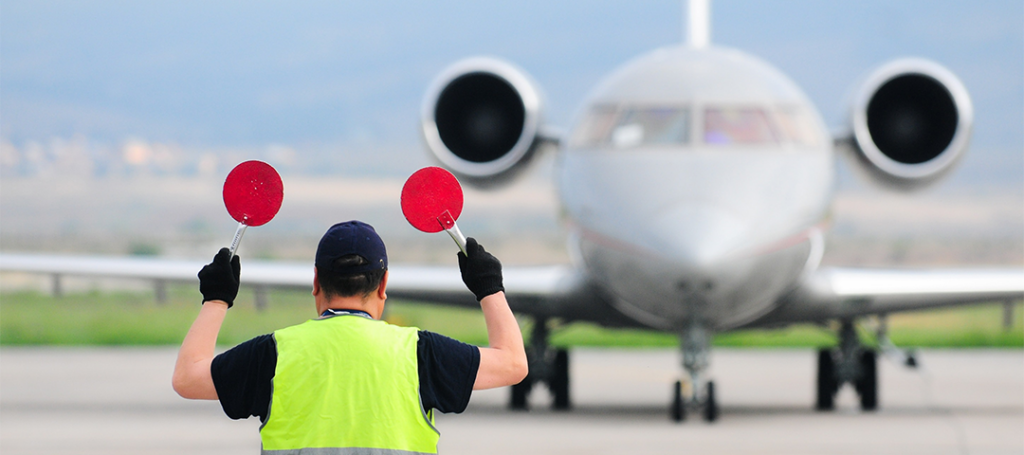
347 381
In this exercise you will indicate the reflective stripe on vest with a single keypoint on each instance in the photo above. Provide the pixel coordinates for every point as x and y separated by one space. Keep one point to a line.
347 385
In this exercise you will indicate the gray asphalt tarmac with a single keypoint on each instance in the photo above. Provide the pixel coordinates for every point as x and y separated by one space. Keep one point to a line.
119 401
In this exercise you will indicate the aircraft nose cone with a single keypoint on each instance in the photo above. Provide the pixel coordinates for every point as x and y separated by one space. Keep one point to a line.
695 235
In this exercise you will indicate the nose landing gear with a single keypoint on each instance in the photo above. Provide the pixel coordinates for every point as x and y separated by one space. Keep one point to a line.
691 393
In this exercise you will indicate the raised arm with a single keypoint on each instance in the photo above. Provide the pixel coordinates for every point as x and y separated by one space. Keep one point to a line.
218 282
192 377
503 363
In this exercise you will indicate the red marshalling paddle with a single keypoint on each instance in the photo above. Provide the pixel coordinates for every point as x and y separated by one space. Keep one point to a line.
432 202
253 193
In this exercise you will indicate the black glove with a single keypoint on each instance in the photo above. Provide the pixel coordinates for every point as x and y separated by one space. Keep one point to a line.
480 271
219 279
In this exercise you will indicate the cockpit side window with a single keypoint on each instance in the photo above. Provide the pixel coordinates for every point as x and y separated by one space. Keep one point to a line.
796 126
633 126
737 126
596 126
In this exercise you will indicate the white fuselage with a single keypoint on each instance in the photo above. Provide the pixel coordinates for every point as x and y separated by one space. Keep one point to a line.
696 184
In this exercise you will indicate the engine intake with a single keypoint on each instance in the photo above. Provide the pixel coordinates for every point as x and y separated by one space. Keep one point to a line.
911 121
481 118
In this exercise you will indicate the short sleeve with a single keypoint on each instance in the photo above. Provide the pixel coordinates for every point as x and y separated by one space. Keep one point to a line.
243 377
447 370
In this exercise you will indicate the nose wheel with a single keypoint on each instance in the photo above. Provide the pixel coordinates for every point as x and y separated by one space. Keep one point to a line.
691 393
682 405
710 405
678 408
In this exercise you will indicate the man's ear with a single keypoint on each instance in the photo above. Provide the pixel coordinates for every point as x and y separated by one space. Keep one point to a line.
316 282
381 290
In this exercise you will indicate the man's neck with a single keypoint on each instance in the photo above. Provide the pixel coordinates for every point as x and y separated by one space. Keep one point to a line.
331 312
354 303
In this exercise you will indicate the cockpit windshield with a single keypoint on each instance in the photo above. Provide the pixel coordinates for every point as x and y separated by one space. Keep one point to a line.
634 126
737 126
624 127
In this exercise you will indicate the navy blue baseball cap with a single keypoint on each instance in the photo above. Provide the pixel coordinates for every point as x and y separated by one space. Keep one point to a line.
351 237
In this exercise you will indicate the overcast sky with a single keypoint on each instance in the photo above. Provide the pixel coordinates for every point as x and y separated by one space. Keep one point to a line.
307 74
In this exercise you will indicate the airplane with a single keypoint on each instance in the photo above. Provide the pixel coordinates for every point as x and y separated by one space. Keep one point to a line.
696 185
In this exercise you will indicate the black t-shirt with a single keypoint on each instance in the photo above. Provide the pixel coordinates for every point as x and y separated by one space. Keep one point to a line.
243 375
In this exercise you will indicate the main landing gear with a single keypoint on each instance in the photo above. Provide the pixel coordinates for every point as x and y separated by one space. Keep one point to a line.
548 365
690 393
850 363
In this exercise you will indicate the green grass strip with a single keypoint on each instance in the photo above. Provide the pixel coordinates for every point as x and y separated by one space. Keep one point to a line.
134 318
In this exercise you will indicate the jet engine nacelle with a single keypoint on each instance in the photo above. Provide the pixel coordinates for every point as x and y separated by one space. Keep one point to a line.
910 122
481 118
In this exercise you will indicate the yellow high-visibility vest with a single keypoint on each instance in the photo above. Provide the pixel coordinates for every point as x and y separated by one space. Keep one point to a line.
347 385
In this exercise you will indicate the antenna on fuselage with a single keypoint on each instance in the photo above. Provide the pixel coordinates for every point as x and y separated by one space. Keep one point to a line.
698 27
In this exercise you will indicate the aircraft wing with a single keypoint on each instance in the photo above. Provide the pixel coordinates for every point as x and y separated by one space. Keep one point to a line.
98 266
526 287
837 293
261 273
529 289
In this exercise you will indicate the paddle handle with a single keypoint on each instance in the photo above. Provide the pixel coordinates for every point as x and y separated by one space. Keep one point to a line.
447 222
457 236
238 237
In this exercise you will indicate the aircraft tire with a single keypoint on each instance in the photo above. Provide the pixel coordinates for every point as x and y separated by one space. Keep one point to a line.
710 404
560 381
519 395
677 410
867 386
826 381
